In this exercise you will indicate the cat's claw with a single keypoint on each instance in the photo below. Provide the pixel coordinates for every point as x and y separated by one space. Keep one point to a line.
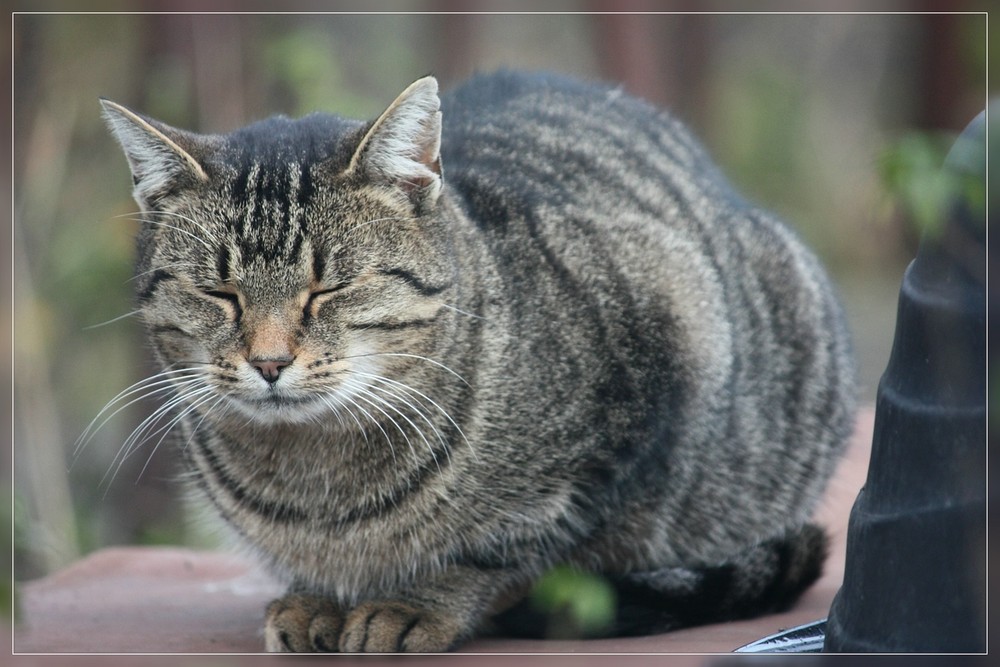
298 623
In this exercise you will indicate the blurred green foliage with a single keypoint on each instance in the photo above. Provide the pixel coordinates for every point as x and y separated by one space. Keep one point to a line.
306 64
576 603
761 141
912 171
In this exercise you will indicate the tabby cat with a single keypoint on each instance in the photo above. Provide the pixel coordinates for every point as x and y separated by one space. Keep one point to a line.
413 394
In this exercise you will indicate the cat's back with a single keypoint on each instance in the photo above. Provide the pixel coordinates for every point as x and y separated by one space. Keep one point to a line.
513 107
608 220
533 139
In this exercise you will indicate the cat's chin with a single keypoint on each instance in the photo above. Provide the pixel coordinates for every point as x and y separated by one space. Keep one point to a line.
278 409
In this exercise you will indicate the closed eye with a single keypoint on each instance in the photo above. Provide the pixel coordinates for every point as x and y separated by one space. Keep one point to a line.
316 298
230 298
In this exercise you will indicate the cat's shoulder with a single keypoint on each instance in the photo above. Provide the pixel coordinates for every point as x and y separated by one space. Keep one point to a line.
506 83
509 102
504 88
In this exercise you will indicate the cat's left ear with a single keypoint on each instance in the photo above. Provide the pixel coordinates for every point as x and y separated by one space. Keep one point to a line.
402 147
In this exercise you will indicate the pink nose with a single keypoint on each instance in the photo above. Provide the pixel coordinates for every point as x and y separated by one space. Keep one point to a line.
270 369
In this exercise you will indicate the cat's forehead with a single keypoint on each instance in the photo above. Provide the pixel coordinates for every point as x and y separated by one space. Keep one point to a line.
267 176
274 167
281 141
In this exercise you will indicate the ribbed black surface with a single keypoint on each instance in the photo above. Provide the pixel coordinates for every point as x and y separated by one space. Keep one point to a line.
915 578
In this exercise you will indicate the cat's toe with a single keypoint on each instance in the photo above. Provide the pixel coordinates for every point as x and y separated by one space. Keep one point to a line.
298 623
397 627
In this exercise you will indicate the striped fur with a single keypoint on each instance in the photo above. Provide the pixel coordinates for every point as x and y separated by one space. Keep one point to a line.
413 390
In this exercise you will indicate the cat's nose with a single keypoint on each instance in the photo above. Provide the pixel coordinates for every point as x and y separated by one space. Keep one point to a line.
270 369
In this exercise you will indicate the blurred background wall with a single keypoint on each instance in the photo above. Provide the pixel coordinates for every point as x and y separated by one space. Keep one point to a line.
814 116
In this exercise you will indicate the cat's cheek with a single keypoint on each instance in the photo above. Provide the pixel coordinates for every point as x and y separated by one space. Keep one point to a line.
176 346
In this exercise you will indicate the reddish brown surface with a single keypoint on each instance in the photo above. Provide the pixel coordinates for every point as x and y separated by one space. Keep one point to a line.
154 600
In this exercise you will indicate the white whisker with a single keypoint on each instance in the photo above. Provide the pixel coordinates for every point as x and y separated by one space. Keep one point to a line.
220 399
418 412
204 240
354 404
460 311
344 408
159 223
411 356
112 320
145 430
406 387
173 422
405 400
157 384
163 267
387 415
402 415
367 223
208 233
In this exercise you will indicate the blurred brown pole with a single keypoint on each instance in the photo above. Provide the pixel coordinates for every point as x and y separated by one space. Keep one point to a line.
220 57
690 96
629 51
454 36
945 106
662 58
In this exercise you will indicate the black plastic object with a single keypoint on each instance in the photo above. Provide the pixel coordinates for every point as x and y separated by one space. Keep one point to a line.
915 577
806 638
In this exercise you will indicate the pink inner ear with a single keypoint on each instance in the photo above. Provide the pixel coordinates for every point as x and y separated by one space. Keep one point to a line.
425 153
416 183
429 158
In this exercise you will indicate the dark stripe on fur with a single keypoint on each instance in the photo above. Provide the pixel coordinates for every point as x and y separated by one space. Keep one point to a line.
306 188
168 329
416 283
276 512
222 263
318 265
394 325
412 483
401 642
158 277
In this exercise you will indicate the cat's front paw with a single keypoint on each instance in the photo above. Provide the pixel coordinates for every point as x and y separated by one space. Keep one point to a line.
300 623
397 627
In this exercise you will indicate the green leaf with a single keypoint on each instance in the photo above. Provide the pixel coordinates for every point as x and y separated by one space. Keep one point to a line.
577 603
911 170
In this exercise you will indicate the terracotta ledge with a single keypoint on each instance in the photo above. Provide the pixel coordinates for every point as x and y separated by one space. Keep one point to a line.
157 600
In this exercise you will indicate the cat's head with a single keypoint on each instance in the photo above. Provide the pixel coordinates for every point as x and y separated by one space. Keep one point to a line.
284 267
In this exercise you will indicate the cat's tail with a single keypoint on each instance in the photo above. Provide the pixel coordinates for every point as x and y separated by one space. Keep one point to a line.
766 578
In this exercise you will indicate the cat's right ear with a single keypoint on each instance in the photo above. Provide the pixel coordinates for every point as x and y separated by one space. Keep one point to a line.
403 146
160 164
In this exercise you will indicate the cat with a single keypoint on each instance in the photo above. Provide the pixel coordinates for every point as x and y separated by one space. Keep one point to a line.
418 361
